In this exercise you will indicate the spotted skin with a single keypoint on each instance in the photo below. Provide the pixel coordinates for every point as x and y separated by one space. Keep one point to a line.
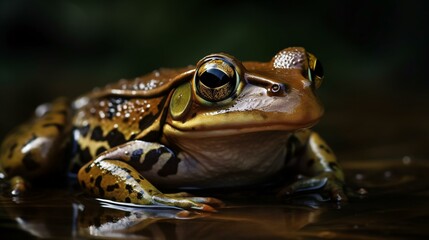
108 122
28 151
117 177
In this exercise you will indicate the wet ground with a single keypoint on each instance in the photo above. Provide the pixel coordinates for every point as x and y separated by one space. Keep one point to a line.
395 207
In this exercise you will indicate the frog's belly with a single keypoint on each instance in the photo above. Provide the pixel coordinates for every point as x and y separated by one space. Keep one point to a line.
240 160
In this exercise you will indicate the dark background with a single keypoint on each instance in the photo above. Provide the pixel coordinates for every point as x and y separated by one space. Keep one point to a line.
374 54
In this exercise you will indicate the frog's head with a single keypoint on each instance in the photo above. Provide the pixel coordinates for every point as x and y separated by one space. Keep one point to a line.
228 96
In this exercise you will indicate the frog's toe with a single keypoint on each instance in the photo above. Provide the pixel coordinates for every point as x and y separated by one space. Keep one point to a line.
208 200
203 207
337 192
206 204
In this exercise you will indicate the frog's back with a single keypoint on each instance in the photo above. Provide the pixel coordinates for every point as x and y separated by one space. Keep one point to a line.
123 111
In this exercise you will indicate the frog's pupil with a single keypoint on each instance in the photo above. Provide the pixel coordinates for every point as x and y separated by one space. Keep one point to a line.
214 78
318 69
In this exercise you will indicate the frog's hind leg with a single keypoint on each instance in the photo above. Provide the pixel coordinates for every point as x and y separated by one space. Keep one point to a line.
31 150
112 176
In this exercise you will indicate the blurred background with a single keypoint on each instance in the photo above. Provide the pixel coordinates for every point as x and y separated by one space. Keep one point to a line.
374 55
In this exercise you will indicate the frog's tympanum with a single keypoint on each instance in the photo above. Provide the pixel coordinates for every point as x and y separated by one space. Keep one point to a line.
221 123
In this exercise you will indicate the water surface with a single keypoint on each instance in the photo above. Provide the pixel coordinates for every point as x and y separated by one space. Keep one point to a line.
395 207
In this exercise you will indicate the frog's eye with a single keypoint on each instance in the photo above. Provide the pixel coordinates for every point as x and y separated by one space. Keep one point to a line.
216 80
315 70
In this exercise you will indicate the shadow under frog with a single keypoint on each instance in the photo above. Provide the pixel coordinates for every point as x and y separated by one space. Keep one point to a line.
223 123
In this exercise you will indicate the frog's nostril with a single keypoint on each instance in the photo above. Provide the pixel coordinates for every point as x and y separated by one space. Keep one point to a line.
277 89
273 88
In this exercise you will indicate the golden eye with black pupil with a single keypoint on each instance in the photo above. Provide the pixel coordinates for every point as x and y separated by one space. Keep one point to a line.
216 80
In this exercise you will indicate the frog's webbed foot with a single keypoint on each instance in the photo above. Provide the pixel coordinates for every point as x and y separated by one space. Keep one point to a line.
326 181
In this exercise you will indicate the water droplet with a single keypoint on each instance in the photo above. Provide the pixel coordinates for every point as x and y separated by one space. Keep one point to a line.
387 174
406 160
101 114
362 191
359 176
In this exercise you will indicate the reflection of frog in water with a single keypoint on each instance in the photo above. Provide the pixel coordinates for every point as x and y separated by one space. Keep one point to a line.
265 222
223 123
63 216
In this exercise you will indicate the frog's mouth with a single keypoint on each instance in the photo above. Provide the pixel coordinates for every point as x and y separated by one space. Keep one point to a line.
253 111
237 130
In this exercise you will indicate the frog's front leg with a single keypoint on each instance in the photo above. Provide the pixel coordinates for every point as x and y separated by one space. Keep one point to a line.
113 175
319 164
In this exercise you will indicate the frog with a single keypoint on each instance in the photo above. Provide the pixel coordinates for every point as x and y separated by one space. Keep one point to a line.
219 124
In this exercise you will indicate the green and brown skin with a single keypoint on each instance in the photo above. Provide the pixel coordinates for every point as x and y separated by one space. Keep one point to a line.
172 128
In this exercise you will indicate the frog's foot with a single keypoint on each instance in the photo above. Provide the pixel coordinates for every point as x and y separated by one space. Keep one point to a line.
188 202
326 182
